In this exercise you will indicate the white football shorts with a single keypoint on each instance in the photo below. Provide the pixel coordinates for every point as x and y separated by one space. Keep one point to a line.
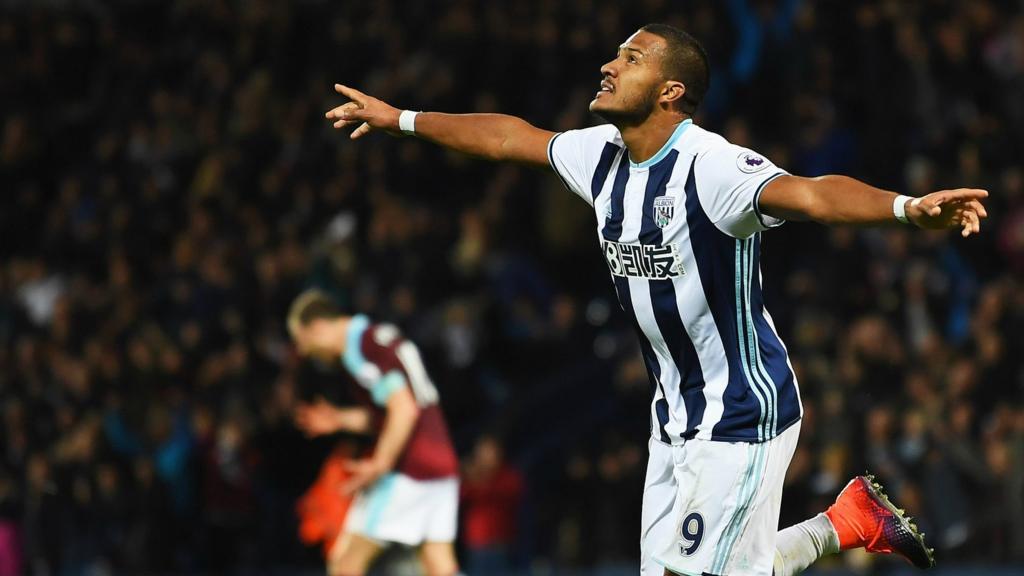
397 508
713 507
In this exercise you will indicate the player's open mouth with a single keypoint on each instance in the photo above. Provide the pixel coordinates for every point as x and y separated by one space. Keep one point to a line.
606 87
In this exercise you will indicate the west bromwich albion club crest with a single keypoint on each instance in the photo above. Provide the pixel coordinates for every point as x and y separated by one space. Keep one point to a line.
664 208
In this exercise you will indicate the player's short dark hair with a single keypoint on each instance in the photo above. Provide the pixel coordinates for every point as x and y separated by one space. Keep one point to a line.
686 61
312 305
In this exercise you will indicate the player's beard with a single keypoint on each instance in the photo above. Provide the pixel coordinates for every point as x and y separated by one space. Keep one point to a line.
632 113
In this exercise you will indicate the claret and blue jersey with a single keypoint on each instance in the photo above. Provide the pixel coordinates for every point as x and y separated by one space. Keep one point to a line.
681 233
382 361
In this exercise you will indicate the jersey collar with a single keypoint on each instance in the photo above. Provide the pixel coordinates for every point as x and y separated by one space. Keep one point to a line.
666 147
353 355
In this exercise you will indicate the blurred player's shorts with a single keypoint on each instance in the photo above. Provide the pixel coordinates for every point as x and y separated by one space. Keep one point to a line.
403 510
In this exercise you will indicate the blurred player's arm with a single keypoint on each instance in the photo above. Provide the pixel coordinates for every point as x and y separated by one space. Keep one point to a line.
322 417
844 200
491 136
399 422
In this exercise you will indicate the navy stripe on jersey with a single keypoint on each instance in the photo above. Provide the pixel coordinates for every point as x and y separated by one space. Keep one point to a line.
715 256
650 358
666 308
657 183
772 353
661 410
603 167
613 225
613 231
684 355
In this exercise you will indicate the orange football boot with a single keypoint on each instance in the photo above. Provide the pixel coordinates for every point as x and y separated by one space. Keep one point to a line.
864 517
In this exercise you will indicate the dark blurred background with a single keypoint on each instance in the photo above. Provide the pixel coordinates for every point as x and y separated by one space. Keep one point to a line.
168 184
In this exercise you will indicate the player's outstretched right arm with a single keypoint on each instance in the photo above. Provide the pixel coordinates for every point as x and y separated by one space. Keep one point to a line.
321 417
491 136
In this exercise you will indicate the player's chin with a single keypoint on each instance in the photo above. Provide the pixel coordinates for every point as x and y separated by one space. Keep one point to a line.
602 108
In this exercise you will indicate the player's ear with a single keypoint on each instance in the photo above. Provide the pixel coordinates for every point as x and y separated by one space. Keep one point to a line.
672 92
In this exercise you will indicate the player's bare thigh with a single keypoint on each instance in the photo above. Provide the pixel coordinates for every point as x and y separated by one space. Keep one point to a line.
438 559
351 555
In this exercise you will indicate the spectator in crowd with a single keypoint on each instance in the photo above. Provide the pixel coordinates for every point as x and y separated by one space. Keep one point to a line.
490 494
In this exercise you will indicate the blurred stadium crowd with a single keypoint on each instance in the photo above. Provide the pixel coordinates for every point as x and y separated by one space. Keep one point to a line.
169 184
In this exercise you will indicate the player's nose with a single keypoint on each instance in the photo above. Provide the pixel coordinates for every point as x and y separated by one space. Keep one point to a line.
609 69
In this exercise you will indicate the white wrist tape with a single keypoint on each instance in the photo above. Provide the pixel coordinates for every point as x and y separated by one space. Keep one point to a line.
899 208
407 122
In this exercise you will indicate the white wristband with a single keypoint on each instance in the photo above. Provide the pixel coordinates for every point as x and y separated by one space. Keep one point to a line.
407 122
899 208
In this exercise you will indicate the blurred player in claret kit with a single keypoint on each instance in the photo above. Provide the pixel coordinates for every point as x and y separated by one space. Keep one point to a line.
406 490
679 214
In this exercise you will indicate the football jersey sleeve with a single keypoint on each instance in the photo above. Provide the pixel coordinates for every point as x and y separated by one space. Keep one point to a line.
372 360
730 180
386 361
575 154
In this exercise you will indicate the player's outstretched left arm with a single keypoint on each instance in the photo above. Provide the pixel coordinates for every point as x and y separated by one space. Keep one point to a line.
490 136
844 200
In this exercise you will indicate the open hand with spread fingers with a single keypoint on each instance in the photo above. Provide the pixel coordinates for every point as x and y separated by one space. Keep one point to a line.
960 208
367 112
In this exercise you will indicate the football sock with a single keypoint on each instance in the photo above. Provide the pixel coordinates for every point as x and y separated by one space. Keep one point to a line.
800 545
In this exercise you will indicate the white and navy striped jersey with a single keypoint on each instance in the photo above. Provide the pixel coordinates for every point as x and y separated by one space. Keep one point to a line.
681 235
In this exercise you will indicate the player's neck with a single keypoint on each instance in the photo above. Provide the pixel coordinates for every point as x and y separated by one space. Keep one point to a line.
644 140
